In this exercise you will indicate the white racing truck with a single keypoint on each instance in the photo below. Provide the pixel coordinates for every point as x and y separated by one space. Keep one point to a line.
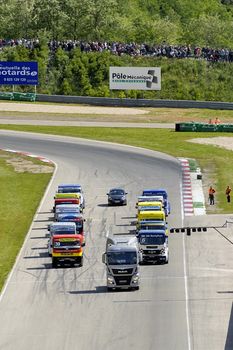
122 258
153 245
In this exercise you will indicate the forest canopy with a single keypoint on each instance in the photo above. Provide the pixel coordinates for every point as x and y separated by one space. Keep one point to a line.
46 26
199 22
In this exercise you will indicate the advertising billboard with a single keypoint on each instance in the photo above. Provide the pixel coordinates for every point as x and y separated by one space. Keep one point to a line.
23 73
135 78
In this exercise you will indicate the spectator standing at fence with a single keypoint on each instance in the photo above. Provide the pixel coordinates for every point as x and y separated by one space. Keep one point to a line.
211 195
217 121
228 194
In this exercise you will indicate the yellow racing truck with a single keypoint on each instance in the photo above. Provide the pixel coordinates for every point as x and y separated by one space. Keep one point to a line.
155 215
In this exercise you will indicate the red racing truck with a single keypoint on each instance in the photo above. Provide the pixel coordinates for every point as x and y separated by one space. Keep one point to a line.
60 201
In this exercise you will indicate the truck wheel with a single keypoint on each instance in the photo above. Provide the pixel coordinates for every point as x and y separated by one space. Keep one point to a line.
54 263
81 262
136 288
109 289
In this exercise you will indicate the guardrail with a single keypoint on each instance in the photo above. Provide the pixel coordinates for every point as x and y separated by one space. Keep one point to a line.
115 102
127 102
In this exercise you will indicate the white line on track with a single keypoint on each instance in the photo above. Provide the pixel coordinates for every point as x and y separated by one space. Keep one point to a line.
185 273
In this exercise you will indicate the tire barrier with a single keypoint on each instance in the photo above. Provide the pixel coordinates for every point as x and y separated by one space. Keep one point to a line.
6 96
18 96
203 127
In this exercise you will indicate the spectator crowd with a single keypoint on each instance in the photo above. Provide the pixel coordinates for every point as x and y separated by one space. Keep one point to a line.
132 49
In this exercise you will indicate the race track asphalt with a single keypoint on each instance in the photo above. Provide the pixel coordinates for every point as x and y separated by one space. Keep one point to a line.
183 305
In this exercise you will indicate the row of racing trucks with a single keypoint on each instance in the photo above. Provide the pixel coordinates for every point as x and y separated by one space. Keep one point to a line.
124 254
66 233
153 208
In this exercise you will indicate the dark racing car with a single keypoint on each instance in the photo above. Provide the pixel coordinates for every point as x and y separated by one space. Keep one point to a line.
117 196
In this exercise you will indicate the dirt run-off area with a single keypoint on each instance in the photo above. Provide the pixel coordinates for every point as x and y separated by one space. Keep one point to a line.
11 111
68 109
23 164
220 141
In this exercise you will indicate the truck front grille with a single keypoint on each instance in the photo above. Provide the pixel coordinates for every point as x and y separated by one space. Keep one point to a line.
122 280
122 271
154 252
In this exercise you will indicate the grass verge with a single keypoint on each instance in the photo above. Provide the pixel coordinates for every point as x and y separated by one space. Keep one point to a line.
17 206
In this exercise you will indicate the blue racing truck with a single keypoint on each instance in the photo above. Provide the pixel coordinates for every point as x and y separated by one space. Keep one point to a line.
77 218
152 225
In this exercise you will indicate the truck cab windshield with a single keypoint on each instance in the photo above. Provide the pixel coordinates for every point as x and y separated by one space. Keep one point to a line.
151 227
122 258
71 244
63 231
153 239
70 190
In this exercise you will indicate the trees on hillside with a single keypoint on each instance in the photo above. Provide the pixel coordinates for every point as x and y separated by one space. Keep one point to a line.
152 21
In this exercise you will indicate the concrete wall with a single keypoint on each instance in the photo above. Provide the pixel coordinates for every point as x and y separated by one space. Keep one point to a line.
118 102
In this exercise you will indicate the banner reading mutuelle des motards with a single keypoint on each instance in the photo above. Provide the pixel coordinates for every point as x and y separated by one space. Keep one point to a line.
135 78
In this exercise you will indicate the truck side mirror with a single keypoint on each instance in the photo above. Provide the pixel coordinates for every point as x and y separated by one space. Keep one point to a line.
104 258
